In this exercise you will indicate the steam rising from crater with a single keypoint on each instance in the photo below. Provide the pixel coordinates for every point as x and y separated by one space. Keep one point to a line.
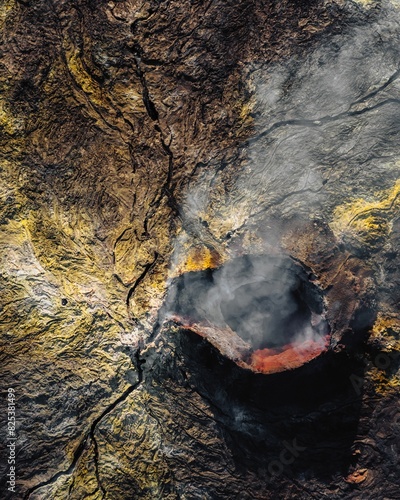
268 301
325 127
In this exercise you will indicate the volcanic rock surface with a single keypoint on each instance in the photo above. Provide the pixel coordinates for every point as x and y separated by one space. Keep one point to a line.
147 145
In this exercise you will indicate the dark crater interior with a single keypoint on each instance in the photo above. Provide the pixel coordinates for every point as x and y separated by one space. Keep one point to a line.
268 301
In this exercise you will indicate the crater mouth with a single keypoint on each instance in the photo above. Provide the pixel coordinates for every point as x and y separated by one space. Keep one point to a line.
265 312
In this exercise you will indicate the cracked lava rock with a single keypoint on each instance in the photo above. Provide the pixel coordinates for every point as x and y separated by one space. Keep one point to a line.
200 231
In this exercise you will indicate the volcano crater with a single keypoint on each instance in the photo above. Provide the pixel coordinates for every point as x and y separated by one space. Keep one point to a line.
265 312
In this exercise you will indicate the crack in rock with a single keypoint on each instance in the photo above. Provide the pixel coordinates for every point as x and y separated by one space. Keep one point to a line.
90 435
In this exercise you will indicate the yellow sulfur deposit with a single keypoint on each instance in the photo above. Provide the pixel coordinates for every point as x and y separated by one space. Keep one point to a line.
369 221
384 383
200 258
387 329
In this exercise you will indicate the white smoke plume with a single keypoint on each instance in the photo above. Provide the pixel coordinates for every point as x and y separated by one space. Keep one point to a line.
326 127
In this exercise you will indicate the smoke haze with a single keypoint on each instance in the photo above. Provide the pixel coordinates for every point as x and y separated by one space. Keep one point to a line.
326 128
268 302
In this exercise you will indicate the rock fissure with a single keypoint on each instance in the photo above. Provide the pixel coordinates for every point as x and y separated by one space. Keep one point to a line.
96 463
167 188
318 122
147 269
382 87
90 435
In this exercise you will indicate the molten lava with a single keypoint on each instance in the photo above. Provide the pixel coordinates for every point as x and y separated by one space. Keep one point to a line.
287 357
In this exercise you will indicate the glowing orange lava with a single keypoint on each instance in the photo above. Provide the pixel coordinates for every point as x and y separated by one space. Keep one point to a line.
267 361
287 357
